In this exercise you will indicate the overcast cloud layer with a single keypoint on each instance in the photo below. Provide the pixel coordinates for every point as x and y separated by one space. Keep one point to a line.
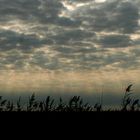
69 35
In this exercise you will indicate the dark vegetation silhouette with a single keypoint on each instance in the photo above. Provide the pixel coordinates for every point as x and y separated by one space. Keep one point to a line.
75 104
129 103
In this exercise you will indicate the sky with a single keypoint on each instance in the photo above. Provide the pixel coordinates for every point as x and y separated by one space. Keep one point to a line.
69 46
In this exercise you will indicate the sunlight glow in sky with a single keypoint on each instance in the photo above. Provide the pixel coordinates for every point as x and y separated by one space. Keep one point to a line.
69 45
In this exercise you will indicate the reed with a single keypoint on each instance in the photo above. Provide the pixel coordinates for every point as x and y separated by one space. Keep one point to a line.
75 104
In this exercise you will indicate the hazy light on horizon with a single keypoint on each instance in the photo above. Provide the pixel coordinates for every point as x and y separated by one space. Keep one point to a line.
86 83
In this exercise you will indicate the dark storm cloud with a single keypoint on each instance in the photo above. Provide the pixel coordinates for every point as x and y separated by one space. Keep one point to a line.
14 40
114 15
74 39
81 1
69 37
128 16
15 58
67 22
74 49
42 10
115 41
137 42
136 52
21 9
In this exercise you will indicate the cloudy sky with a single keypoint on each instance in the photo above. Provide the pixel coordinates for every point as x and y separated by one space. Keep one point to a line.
69 45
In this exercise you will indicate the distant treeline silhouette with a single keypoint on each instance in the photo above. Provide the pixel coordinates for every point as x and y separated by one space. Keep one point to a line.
75 104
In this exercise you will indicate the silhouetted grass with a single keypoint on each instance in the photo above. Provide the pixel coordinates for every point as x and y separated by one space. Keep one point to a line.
129 103
75 104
